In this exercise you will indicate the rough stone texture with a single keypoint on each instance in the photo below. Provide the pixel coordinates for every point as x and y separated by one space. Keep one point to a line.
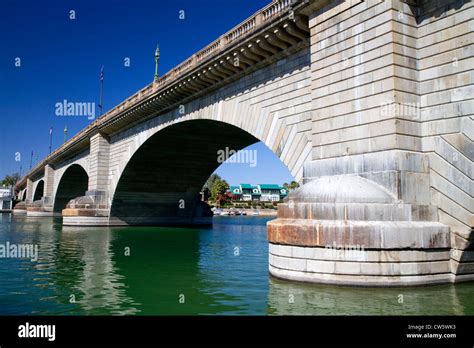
85 221
48 181
335 252
29 190
370 234
445 47
99 162
364 280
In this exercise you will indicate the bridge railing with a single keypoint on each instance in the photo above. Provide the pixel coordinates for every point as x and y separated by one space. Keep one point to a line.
257 20
242 29
276 8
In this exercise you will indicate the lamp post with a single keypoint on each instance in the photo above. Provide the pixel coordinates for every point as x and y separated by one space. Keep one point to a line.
101 88
50 139
157 58
65 133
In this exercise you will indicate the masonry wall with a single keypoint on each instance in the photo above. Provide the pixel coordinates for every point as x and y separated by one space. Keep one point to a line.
99 162
445 46
352 64
48 182
358 54
392 88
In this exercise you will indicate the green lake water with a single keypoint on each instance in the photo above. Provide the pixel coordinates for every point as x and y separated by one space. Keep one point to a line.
182 271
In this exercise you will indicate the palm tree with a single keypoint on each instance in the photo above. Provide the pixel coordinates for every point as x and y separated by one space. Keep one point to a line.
293 185
11 180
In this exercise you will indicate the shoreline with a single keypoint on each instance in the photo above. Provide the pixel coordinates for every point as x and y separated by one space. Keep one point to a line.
250 212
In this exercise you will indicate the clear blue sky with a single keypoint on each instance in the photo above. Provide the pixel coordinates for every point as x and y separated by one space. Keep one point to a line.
61 59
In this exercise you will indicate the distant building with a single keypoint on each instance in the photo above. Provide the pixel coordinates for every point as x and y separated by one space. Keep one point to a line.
5 199
259 193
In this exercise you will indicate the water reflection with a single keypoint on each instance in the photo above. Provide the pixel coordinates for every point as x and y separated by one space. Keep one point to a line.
74 274
233 265
220 270
99 287
286 298
162 269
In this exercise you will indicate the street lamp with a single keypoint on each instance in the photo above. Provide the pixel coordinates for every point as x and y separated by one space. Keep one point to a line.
157 58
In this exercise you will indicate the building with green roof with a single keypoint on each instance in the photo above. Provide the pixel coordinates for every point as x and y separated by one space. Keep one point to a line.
261 193
272 192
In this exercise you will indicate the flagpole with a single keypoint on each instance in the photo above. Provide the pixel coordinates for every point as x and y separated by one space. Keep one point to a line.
31 160
50 139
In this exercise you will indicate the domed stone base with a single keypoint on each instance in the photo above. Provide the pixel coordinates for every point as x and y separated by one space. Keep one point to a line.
40 209
348 230
20 208
83 211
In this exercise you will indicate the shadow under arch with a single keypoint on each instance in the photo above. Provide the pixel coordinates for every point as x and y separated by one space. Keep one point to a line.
160 184
38 191
73 183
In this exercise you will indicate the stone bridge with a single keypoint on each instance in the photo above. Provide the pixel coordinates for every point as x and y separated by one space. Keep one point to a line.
368 103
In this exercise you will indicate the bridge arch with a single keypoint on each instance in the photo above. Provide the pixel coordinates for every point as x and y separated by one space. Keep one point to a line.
72 183
161 182
39 191
272 104
23 195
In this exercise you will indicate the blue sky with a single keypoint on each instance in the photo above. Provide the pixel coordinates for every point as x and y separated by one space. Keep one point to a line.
61 59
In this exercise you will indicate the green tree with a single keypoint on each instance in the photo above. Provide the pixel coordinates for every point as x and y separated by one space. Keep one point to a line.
10 180
210 181
218 191
293 185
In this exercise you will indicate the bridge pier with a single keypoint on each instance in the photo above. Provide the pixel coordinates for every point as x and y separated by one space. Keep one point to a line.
89 210
93 210
387 199
20 208
41 208
370 225
40 203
